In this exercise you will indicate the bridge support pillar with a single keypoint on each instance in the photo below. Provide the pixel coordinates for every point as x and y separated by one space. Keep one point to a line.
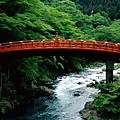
109 71
0 83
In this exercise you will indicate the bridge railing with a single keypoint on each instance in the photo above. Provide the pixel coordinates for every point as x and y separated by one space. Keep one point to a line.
64 43
90 44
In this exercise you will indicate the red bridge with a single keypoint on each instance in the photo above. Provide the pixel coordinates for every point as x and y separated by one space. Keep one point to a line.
108 51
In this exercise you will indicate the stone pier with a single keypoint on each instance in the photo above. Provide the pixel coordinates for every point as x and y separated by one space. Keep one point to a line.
109 71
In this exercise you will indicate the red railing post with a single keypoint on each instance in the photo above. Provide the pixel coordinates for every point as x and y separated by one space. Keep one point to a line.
21 44
32 43
43 42
81 43
63 40
56 41
10 43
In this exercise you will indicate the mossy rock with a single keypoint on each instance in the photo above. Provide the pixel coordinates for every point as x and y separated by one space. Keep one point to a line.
46 90
91 84
89 112
104 69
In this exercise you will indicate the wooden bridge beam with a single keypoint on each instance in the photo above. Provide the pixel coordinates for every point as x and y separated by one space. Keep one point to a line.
109 71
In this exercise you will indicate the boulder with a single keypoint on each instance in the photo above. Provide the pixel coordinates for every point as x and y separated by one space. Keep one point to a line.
46 90
79 83
89 112
96 82
102 81
118 72
90 84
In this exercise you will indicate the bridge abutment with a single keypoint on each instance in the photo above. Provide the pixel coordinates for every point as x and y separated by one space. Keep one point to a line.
109 71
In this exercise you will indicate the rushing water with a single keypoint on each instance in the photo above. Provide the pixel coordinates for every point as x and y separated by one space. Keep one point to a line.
70 96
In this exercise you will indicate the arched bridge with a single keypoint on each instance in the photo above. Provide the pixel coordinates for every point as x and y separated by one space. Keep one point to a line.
107 51
85 48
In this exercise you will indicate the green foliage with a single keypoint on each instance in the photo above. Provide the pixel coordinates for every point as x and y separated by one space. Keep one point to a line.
30 68
116 77
90 118
108 100
117 66
100 19
3 110
110 33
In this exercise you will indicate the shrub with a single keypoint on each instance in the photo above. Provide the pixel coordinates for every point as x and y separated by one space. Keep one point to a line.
107 102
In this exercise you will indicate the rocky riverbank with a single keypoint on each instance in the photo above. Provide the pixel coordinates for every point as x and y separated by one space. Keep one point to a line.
14 99
89 112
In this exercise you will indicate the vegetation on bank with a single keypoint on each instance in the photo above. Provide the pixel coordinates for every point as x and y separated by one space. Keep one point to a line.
106 104
41 19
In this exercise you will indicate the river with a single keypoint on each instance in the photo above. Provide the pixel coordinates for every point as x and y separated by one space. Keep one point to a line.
70 96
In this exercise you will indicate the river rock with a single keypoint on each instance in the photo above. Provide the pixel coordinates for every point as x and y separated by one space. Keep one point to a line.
104 69
46 90
90 84
88 111
56 81
100 72
118 72
76 94
91 113
102 81
96 82
79 83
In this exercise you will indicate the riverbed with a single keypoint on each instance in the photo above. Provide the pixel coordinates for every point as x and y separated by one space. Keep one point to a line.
70 96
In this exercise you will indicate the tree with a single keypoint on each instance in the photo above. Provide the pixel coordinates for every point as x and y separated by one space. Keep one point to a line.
109 33
100 19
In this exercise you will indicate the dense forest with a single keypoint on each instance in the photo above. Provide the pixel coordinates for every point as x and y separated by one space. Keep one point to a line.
111 7
41 19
